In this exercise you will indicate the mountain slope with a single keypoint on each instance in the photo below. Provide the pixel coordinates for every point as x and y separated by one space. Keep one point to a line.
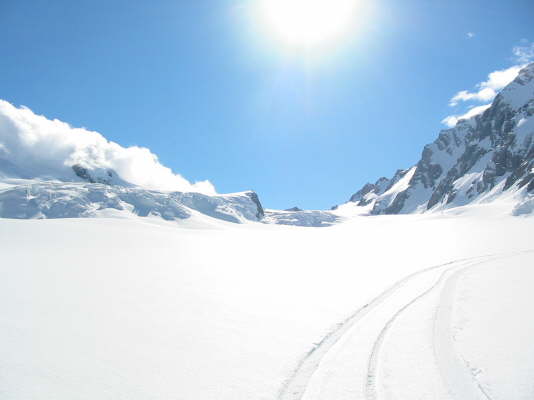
478 160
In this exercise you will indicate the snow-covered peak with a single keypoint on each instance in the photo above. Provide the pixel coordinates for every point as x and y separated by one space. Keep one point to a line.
481 159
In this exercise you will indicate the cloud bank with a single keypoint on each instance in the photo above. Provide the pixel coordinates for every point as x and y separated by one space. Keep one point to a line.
49 148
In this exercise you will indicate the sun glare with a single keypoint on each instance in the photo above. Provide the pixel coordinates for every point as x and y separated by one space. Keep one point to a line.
308 22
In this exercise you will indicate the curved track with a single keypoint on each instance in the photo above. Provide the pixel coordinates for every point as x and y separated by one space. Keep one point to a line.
353 360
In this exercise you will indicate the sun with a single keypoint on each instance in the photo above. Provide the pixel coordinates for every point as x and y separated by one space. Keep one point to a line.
308 22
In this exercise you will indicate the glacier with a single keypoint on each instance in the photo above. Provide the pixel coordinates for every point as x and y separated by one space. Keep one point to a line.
142 308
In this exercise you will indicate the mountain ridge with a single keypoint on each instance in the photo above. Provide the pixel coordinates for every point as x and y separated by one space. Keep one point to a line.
481 159
467 161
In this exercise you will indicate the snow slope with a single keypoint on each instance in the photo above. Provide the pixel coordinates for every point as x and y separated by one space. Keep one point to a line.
138 308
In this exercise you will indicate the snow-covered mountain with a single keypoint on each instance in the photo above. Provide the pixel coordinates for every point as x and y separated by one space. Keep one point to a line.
51 170
40 199
486 157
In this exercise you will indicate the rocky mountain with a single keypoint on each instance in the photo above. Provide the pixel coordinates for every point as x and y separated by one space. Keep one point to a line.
480 159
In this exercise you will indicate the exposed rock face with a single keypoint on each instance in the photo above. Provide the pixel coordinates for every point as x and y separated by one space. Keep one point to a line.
485 155
256 200
88 176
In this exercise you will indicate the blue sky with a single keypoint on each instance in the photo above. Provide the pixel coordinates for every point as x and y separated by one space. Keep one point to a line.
204 86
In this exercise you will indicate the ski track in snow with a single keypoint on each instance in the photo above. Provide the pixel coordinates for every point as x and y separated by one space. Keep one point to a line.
307 381
370 387
452 366
371 392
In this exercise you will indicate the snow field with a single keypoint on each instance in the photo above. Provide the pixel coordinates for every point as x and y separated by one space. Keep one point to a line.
206 309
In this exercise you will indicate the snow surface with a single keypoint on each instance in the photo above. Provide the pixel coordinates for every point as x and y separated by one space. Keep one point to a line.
143 308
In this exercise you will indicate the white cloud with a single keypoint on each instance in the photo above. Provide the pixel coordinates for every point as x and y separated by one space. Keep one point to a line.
470 35
488 89
44 147
485 94
452 120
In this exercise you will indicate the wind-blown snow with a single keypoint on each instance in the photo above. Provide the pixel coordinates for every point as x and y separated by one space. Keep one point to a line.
34 146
